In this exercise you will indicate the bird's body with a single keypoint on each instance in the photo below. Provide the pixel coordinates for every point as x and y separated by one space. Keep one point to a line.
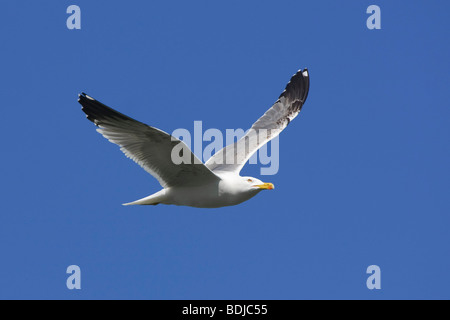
216 183
217 194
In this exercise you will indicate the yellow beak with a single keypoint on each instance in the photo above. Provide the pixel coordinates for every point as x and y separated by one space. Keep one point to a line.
266 186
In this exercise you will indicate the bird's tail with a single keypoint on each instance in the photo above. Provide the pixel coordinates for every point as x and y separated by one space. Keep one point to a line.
153 199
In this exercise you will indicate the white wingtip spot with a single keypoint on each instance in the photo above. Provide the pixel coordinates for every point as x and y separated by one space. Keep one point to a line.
305 73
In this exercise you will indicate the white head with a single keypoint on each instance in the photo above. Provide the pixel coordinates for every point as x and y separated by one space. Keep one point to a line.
256 184
236 185
236 189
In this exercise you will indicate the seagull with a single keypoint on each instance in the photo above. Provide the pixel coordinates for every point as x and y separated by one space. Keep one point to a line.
216 183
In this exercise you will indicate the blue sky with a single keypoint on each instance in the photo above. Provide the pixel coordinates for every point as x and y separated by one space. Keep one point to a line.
364 170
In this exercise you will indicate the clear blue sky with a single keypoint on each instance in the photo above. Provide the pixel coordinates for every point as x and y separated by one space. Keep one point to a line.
364 172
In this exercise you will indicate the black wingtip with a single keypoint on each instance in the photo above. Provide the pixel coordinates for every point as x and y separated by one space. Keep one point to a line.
298 86
82 96
97 112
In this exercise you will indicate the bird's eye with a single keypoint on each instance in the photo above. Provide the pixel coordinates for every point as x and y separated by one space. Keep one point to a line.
250 180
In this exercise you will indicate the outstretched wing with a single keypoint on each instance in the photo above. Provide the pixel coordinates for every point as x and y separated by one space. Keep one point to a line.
234 156
149 147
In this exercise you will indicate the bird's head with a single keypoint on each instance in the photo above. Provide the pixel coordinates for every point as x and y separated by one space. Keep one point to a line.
256 184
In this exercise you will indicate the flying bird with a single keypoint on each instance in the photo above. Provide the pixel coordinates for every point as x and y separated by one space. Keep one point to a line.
216 183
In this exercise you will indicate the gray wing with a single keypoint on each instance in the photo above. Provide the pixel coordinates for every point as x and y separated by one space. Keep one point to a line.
234 156
149 147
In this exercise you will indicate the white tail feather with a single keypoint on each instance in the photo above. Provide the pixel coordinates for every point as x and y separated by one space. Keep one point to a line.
153 199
